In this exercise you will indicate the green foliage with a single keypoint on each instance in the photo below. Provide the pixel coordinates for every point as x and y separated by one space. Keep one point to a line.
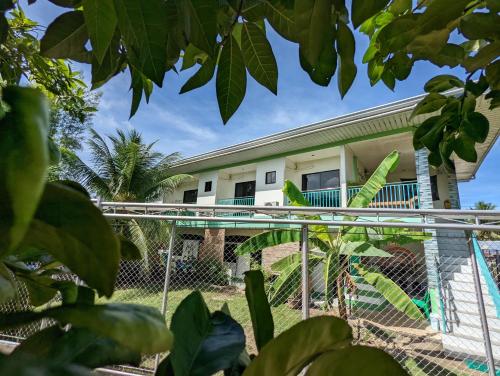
335 251
47 229
228 36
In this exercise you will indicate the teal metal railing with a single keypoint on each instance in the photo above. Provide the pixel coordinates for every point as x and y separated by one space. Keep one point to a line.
250 200
393 196
325 198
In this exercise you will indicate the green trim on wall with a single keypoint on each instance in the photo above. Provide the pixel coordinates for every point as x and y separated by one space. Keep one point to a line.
311 148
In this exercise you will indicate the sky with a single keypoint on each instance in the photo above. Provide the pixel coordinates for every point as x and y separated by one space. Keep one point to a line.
190 123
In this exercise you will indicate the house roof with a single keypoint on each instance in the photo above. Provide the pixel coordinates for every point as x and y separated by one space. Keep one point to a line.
374 122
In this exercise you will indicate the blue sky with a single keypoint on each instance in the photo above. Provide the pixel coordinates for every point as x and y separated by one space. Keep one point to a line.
190 123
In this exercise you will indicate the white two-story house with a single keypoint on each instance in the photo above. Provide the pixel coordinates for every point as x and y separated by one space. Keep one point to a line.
328 161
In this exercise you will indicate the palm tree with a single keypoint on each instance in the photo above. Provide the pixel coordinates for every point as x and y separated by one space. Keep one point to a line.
486 235
341 252
128 170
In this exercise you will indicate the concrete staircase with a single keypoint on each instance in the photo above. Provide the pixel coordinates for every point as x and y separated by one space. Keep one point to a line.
463 326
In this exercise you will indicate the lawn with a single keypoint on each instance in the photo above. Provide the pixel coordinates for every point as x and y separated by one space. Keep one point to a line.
215 297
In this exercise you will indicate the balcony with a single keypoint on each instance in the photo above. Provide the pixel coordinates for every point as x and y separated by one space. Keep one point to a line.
249 200
326 198
393 196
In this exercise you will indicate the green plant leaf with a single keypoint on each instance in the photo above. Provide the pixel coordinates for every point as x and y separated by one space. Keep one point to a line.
7 284
330 273
356 360
259 57
202 26
192 55
139 328
451 55
286 284
110 65
432 102
39 288
281 19
296 347
101 21
476 126
345 49
325 68
480 26
143 28
313 26
442 83
260 311
363 249
464 147
26 365
78 346
267 239
65 38
25 158
231 81
484 56
69 227
204 343
362 10
391 292
492 73
201 77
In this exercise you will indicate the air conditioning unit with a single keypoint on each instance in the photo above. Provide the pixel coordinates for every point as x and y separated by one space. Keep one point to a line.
272 203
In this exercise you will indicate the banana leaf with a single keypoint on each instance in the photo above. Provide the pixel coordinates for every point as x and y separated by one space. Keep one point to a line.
363 249
267 239
391 292
285 262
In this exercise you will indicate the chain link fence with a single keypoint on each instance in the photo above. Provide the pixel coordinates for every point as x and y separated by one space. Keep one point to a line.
417 299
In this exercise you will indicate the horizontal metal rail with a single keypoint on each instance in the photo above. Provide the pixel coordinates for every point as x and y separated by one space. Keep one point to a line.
360 223
309 210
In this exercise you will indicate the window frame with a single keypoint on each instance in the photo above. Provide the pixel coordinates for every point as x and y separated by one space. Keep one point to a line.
270 177
189 191
304 181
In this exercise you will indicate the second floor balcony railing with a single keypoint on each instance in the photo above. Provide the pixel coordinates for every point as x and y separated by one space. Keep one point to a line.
249 200
323 197
393 196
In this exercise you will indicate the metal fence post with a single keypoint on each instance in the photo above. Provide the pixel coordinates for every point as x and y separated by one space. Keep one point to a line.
482 311
305 272
166 283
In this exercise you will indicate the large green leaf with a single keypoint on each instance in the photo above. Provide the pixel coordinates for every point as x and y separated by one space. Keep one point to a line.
101 21
201 77
345 48
295 348
69 227
464 147
143 28
260 311
267 239
202 26
231 81
313 25
111 64
391 292
476 126
480 26
23 143
376 181
128 249
442 83
7 284
322 72
78 346
430 103
204 343
330 274
259 57
27 365
65 37
356 360
281 19
362 10
286 284
363 249
139 328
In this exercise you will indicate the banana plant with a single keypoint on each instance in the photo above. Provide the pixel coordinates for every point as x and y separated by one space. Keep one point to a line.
339 252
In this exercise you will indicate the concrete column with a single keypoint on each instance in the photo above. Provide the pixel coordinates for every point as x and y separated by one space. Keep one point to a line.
453 190
209 197
343 176
213 245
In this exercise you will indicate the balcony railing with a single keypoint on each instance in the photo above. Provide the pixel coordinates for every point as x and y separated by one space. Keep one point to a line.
393 196
249 200
323 197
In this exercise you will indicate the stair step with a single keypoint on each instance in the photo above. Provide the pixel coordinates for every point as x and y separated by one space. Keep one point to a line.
474 331
463 286
470 307
467 318
468 345
466 296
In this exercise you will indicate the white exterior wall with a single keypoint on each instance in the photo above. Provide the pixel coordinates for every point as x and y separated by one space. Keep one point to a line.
294 171
207 198
266 193
225 187
177 196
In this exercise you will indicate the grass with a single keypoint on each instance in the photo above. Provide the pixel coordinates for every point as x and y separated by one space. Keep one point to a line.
215 297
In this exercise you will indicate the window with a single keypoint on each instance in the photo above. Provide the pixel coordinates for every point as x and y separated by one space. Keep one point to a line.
434 188
230 244
271 177
208 186
190 196
244 189
321 180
